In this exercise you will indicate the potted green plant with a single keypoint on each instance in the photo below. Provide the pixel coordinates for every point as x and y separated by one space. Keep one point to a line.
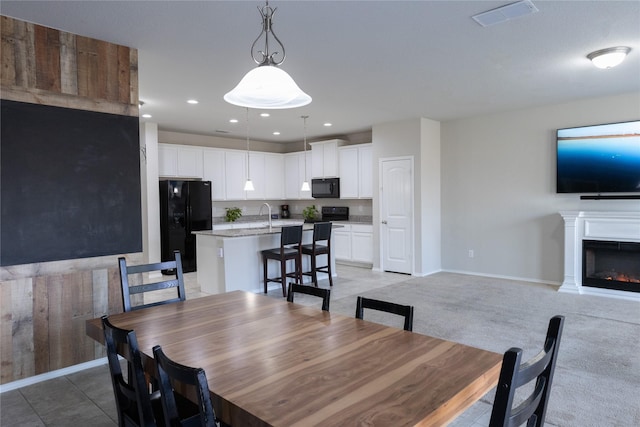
310 213
232 214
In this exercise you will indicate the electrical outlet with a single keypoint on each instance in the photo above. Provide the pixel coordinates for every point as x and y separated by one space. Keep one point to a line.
471 253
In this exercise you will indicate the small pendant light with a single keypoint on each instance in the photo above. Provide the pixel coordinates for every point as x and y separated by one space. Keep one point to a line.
305 183
248 186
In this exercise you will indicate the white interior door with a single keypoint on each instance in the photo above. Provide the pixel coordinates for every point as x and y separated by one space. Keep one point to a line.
396 214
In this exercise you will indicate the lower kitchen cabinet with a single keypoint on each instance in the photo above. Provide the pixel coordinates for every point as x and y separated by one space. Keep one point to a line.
353 243
341 244
362 243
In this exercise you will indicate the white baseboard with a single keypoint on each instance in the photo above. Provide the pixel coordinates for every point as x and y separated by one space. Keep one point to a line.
53 374
498 276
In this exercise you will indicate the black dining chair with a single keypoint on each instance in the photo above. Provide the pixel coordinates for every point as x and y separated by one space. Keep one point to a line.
178 411
321 233
290 249
133 290
389 307
135 405
514 375
323 293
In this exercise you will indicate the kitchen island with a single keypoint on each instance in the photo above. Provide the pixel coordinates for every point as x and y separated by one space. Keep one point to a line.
231 259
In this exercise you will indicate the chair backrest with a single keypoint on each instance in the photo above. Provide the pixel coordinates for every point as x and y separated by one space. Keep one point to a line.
291 235
321 231
132 396
513 375
172 375
129 290
323 293
388 307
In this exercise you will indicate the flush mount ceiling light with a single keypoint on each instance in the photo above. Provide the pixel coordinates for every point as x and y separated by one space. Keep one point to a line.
609 57
267 86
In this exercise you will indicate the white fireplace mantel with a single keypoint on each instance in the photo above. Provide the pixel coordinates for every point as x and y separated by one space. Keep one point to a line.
580 225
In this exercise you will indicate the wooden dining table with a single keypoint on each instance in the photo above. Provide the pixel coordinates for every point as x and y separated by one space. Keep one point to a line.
274 363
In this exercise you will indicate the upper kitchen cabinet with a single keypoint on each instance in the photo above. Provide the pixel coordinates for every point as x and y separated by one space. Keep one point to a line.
179 161
324 158
227 171
213 169
356 171
236 174
257 175
294 175
274 176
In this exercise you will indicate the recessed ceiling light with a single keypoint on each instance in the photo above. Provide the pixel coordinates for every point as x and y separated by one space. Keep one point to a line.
328 124
147 116
192 101
233 121
276 133
264 114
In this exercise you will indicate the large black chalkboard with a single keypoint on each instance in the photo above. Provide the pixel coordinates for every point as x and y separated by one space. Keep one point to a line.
69 184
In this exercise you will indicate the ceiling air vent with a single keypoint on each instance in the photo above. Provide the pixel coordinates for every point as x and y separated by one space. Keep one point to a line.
505 13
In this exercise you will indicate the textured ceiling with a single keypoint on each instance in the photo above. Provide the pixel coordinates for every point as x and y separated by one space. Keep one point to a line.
363 62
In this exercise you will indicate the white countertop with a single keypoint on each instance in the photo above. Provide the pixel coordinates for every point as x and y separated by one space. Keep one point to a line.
254 229
244 232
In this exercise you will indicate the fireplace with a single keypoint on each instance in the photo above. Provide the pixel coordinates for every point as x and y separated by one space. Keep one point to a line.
602 253
611 265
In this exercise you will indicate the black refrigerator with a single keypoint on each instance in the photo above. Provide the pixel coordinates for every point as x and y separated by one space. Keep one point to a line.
185 206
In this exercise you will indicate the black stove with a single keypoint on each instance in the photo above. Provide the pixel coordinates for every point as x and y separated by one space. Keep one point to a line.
335 213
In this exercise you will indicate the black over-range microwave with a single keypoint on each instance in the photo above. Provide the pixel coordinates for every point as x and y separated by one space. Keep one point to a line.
328 188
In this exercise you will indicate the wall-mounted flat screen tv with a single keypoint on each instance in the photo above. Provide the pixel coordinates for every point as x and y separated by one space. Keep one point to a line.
599 159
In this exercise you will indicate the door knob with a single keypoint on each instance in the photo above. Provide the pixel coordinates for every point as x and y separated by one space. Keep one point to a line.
384 222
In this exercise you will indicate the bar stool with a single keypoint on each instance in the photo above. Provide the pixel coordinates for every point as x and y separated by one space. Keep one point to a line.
321 233
290 246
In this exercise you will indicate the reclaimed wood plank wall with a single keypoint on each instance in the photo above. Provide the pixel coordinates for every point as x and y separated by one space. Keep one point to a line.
46 66
44 306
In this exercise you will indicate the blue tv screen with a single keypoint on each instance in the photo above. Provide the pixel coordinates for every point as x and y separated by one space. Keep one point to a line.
599 159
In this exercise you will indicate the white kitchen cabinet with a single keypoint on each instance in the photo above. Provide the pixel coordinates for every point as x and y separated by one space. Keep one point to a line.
274 176
349 180
294 175
353 243
167 160
362 243
356 175
365 171
257 175
341 244
213 170
235 163
179 161
324 158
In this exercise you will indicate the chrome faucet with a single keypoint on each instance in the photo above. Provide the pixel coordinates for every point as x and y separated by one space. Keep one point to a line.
268 207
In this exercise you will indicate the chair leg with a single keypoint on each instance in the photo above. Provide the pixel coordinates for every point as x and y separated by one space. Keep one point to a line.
264 263
314 270
283 276
329 269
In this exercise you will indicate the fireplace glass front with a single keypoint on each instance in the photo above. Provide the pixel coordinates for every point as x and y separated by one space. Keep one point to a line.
611 265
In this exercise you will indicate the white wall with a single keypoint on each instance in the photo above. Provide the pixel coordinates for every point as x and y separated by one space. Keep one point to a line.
430 244
419 139
498 188
150 192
